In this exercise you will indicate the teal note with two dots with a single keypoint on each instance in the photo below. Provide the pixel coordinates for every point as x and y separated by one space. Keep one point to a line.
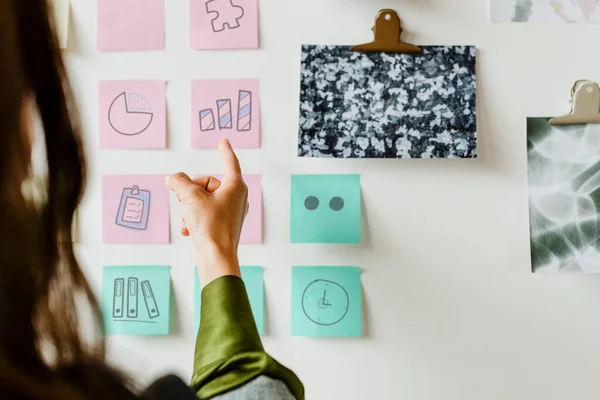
325 209
326 301
253 280
136 300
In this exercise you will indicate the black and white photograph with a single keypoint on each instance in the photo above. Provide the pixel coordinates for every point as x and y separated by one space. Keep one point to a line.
384 105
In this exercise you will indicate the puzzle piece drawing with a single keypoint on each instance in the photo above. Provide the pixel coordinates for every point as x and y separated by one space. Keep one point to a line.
226 14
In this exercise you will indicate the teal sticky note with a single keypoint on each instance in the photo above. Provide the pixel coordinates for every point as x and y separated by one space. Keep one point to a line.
326 301
253 280
136 300
325 209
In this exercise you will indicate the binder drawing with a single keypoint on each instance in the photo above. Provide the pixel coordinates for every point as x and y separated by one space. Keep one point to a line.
150 300
134 209
132 297
118 298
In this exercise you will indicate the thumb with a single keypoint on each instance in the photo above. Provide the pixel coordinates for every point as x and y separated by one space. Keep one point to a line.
181 184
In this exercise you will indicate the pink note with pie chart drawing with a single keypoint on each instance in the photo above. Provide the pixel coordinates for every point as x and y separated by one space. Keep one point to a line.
225 109
132 115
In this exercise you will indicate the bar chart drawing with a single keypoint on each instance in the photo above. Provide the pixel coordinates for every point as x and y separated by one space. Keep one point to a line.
226 114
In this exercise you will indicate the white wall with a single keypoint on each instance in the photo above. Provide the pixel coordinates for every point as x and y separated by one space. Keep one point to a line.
451 310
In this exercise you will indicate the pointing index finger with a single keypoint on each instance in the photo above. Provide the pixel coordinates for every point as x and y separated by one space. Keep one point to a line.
231 164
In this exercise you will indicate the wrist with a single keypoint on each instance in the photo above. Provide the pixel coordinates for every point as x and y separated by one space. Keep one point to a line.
215 260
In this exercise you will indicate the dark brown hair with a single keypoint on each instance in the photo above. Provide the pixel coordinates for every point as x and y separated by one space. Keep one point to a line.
42 353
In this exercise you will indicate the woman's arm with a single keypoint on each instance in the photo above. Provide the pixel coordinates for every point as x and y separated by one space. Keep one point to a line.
229 352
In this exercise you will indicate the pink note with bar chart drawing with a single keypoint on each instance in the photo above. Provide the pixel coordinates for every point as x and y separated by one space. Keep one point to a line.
225 109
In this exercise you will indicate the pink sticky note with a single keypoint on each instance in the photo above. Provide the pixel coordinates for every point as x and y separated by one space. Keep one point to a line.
135 209
130 25
132 115
223 24
227 108
252 231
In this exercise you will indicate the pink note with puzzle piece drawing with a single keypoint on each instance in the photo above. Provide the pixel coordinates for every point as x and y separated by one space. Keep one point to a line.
225 109
223 24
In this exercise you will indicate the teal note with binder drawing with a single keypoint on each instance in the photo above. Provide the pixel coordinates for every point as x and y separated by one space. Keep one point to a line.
136 300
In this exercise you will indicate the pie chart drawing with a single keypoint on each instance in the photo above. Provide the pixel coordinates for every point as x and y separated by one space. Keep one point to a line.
130 114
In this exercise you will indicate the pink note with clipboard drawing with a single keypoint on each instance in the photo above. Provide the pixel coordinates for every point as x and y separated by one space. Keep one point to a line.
135 209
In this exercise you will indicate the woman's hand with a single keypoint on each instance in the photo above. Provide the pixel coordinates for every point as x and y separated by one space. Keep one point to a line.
213 215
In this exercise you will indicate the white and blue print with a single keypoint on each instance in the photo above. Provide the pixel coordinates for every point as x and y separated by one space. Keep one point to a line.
564 196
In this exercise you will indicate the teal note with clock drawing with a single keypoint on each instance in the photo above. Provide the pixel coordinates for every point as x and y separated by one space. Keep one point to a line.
326 301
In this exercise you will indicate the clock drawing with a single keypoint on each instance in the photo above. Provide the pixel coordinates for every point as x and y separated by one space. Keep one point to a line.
325 302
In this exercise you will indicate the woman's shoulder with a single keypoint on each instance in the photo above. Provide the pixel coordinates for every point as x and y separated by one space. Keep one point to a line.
260 388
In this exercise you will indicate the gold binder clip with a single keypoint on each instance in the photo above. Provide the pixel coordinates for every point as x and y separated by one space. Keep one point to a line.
585 105
387 32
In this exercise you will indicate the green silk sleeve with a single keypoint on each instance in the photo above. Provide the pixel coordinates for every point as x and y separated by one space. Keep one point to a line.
229 352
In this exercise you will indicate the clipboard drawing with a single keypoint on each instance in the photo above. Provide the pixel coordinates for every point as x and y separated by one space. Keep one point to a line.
224 14
134 209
